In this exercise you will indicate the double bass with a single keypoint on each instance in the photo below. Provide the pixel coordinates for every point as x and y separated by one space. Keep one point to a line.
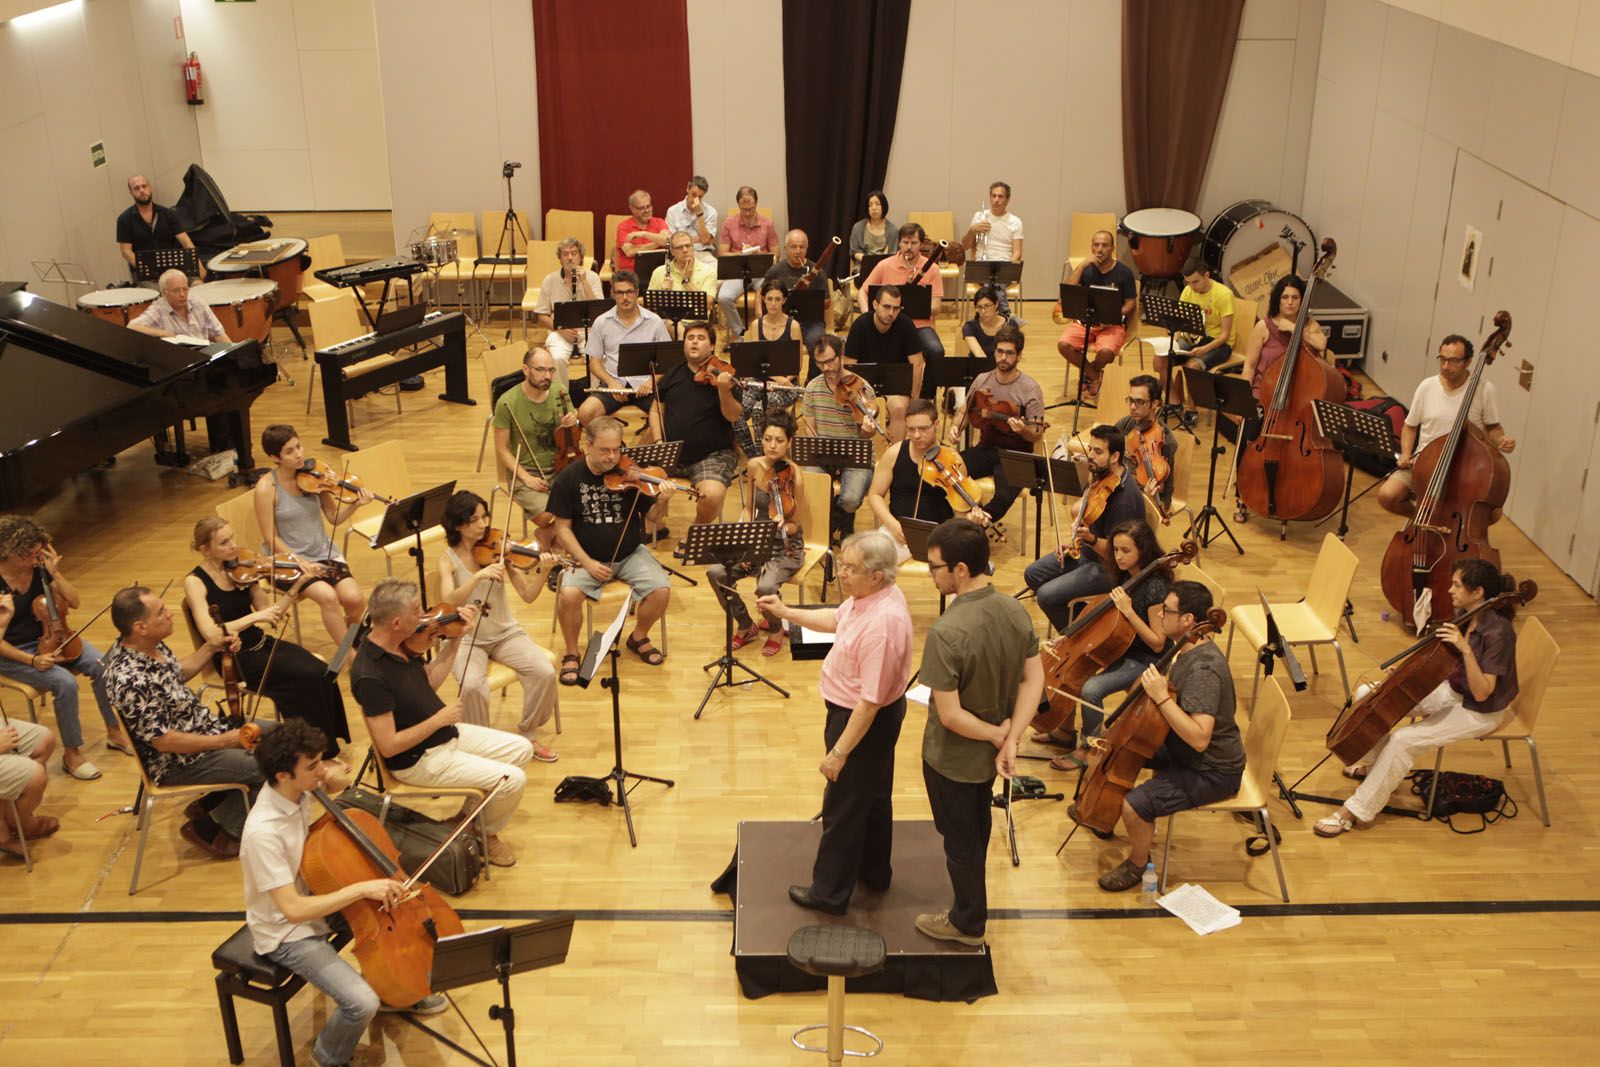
1131 736
1290 471
1428 662
1466 480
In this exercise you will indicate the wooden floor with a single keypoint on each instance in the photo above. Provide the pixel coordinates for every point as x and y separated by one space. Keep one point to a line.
1405 943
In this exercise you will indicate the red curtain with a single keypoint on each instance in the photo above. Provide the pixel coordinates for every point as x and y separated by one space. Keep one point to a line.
613 83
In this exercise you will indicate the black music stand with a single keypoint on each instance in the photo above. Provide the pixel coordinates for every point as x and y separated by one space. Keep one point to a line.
153 262
579 315
745 268
645 264
675 305
663 454
1222 394
1021 787
737 546
1090 305
764 360
1174 316
869 262
1000 273
916 301
494 955
653 358
886 379
1353 430
1030 469
834 455
408 517
809 305
956 372
1276 648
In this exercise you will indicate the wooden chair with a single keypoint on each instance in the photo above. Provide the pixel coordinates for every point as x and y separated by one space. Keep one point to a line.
1263 740
325 252
497 363
144 800
1191 572
1081 231
603 256
542 262
940 226
560 224
463 226
382 469
36 699
334 321
817 492
1313 620
1537 653
1182 462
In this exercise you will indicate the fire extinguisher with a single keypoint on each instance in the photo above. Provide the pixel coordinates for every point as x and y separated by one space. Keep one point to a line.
191 80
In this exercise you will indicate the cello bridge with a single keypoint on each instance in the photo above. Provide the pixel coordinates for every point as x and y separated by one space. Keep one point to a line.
1442 531
1276 436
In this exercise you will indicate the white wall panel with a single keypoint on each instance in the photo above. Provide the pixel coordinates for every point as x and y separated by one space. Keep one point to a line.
1524 114
737 109
1252 132
1577 150
1586 38
1407 66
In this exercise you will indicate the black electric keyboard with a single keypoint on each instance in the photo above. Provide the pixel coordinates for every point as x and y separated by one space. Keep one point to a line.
76 390
373 270
354 368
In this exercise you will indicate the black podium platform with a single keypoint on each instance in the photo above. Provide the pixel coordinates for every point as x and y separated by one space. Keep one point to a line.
775 855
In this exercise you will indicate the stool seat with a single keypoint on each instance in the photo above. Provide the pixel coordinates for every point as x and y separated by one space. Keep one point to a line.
837 951
237 955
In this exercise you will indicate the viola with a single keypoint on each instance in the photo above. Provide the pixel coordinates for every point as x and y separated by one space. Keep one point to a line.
1151 469
436 623
852 393
568 440
713 369
777 481
996 416
1129 739
393 944
57 638
314 477
1290 471
490 549
1098 638
628 474
1466 481
945 470
1365 721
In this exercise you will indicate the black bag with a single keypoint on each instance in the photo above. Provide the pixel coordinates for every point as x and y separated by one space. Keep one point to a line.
417 837
578 787
1465 794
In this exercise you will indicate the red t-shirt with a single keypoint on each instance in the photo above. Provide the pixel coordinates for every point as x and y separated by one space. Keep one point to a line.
627 227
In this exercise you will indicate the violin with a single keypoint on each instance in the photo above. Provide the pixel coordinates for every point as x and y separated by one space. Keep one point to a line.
713 369
314 477
628 474
568 440
522 556
57 638
1466 481
997 415
945 470
232 680
250 568
1129 739
436 623
1090 508
1099 637
777 481
852 393
1365 721
1150 467
393 944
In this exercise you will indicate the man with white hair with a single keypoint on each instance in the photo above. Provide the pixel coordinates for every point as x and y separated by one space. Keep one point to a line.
175 315
569 282
147 225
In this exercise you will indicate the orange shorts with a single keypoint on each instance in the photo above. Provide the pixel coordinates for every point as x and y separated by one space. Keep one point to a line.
1104 338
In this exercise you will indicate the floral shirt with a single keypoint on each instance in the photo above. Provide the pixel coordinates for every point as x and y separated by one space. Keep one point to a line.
153 699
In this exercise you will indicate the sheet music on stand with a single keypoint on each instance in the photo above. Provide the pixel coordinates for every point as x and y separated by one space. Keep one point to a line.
1001 273
886 379
645 264
917 532
65 274
602 643
808 305
579 314
1350 428
870 260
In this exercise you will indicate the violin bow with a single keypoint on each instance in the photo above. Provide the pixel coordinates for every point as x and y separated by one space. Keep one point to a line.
505 539
266 669
410 883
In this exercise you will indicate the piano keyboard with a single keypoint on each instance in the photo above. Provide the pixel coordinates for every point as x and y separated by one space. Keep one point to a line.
367 338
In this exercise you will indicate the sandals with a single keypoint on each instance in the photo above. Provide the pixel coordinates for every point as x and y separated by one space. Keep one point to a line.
744 637
124 747
1240 512
569 669
1067 761
544 753
1355 772
1334 825
642 648
1121 878
773 644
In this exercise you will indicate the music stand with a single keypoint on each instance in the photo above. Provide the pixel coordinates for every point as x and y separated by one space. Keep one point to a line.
917 531
1222 394
1000 273
809 305
956 372
408 517
1031 469
645 264
886 379
1351 430
744 267
579 314
649 359
765 360
1174 316
916 301
869 263
736 546
1091 306
153 262
67 274
494 955
675 305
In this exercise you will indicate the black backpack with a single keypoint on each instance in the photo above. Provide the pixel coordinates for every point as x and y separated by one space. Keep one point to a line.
1465 794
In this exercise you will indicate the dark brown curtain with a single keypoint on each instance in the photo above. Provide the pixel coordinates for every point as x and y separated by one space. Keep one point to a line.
1176 55
610 122
841 91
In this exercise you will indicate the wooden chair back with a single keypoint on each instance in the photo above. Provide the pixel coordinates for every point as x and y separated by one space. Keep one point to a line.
1244 320
494 222
240 513
382 469
938 225
542 260
1263 736
1083 227
336 319
1537 653
1331 577
560 224
1191 572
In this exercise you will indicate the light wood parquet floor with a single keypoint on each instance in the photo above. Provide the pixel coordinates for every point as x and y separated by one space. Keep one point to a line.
650 979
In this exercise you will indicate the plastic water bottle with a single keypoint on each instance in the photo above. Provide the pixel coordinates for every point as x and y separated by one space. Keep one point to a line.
1149 885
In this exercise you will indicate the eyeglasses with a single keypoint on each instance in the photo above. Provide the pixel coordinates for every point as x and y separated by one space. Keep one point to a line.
940 567
842 569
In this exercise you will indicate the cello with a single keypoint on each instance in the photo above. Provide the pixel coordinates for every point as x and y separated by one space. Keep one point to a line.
1466 481
1290 471
1428 662
1099 637
1131 736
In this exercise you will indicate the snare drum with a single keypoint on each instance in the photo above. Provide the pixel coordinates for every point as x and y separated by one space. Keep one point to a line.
243 305
1249 227
440 250
1160 239
117 306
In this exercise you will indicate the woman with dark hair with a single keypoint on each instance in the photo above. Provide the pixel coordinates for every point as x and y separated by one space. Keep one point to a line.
780 393
870 235
982 330
499 636
1133 548
775 323
297 681
1469 703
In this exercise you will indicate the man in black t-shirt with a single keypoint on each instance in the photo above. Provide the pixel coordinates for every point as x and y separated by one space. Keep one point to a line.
146 225
701 417
1060 578
603 529
886 336
1102 270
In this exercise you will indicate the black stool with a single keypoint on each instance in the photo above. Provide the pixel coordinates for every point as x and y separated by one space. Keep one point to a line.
837 953
242 973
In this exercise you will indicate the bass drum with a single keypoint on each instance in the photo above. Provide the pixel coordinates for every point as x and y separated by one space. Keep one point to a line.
1248 228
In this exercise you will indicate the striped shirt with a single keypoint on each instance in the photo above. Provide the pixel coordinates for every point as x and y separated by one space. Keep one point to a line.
829 417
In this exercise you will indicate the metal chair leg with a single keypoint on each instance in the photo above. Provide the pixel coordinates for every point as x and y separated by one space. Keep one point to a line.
1505 751
1266 826
1166 854
144 834
1338 651
1538 779
22 838
1433 787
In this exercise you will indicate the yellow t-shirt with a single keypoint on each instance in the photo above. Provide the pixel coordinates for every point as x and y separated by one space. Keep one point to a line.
1216 303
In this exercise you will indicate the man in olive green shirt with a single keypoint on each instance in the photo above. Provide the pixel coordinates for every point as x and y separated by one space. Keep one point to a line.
981 662
525 421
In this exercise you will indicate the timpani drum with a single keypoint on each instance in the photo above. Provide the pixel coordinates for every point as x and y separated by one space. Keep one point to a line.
438 250
1160 239
244 306
281 260
1247 229
117 306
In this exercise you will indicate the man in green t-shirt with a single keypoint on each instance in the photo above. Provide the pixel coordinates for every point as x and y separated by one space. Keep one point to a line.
981 662
525 421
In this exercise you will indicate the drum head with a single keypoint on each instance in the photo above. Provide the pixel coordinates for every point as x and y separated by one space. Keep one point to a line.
1248 228
1161 222
117 298
233 290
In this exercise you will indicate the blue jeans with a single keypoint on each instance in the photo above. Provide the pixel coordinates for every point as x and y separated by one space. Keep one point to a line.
63 689
318 963
1059 584
1102 687
932 347
728 295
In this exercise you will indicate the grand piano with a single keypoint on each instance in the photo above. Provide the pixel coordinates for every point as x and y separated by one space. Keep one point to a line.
75 391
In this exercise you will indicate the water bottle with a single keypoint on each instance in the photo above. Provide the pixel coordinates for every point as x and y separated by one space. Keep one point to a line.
1149 885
